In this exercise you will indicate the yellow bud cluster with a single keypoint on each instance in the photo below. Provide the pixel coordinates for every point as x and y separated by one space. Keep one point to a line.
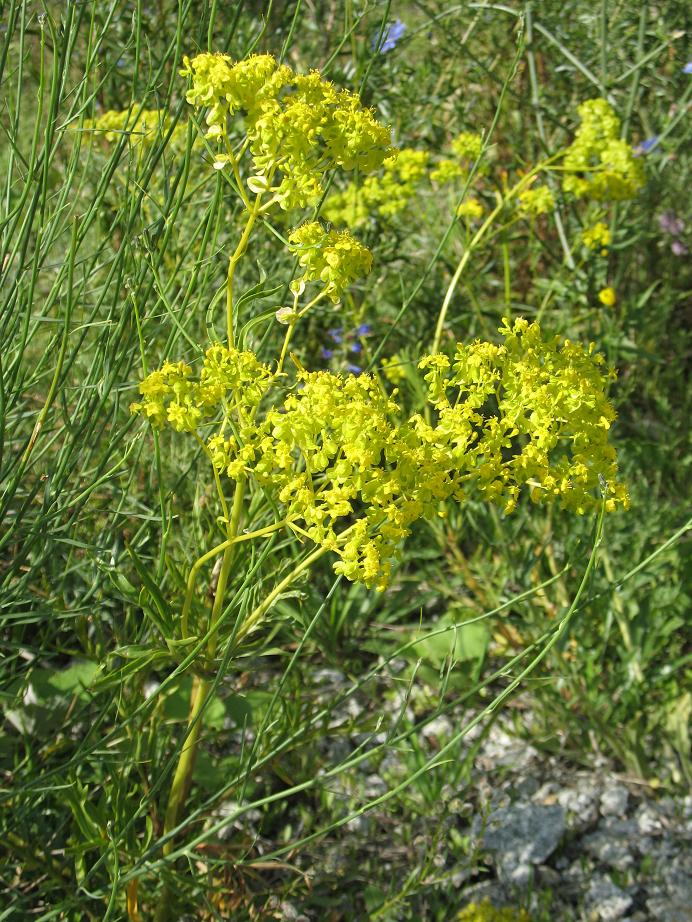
467 145
333 257
142 126
599 164
353 474
386 195
298 126
597 237
171 395
471 208
535 202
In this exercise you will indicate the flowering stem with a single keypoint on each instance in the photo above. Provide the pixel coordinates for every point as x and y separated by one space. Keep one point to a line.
477 239
255 616
291 326
186 763
232 263
214 552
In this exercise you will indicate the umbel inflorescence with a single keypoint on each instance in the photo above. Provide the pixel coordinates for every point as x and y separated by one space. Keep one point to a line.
297 126
344 463
352 473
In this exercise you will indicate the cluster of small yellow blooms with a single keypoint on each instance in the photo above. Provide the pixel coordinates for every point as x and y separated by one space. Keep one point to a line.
142 126
393 369
535 202
486 912
171 395
468 146
353 477
298 126
471 208
550 428
599 164
333 257
385 195
402 175
607 297
597 237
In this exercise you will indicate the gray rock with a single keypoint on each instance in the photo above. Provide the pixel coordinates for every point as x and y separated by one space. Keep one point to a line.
523 835
648 820
614 800
608 850
606 900
581 803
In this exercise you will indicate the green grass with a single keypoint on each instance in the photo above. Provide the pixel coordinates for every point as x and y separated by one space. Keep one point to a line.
112 260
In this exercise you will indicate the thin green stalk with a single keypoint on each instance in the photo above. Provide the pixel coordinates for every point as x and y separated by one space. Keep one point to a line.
233 262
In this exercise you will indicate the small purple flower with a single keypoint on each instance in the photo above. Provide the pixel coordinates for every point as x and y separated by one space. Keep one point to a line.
647 146
670 223
679 248
386 41
337 334
355 347
327 354
687 69
353 369
362 330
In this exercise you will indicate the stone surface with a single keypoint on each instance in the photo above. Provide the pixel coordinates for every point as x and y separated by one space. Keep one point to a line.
523 835
606 900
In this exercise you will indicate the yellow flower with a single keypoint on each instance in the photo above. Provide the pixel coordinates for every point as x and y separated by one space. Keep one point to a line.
608 297
597 236
471 209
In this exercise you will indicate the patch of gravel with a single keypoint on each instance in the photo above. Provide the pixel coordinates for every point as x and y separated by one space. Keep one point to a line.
574 845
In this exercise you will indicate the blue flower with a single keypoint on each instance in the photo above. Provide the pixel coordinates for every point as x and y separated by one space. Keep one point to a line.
386 41
647 146
353 369
362 330
687 69
327 354
355 347
336 334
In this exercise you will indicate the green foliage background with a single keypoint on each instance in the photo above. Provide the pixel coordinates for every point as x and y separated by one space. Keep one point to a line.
111 257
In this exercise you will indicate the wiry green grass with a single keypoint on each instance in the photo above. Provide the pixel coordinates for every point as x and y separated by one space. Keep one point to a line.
111 260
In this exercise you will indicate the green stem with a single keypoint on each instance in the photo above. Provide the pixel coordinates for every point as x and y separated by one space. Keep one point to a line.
182 779
291 326
233 262
478 238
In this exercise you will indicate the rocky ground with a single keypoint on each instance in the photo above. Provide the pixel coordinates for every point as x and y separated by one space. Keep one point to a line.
568 844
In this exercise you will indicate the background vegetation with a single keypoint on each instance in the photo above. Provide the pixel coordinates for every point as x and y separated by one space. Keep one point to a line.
111 256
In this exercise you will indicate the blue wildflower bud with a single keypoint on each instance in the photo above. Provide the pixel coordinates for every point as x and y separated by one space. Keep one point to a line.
387 39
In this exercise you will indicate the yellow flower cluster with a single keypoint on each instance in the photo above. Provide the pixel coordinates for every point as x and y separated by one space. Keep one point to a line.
333 257
402 174
468 145
471 208
486 912
386 195
298 126
446 171
171 395
599 164
142 126
535 202
597 237
353 475
549 431
393 369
